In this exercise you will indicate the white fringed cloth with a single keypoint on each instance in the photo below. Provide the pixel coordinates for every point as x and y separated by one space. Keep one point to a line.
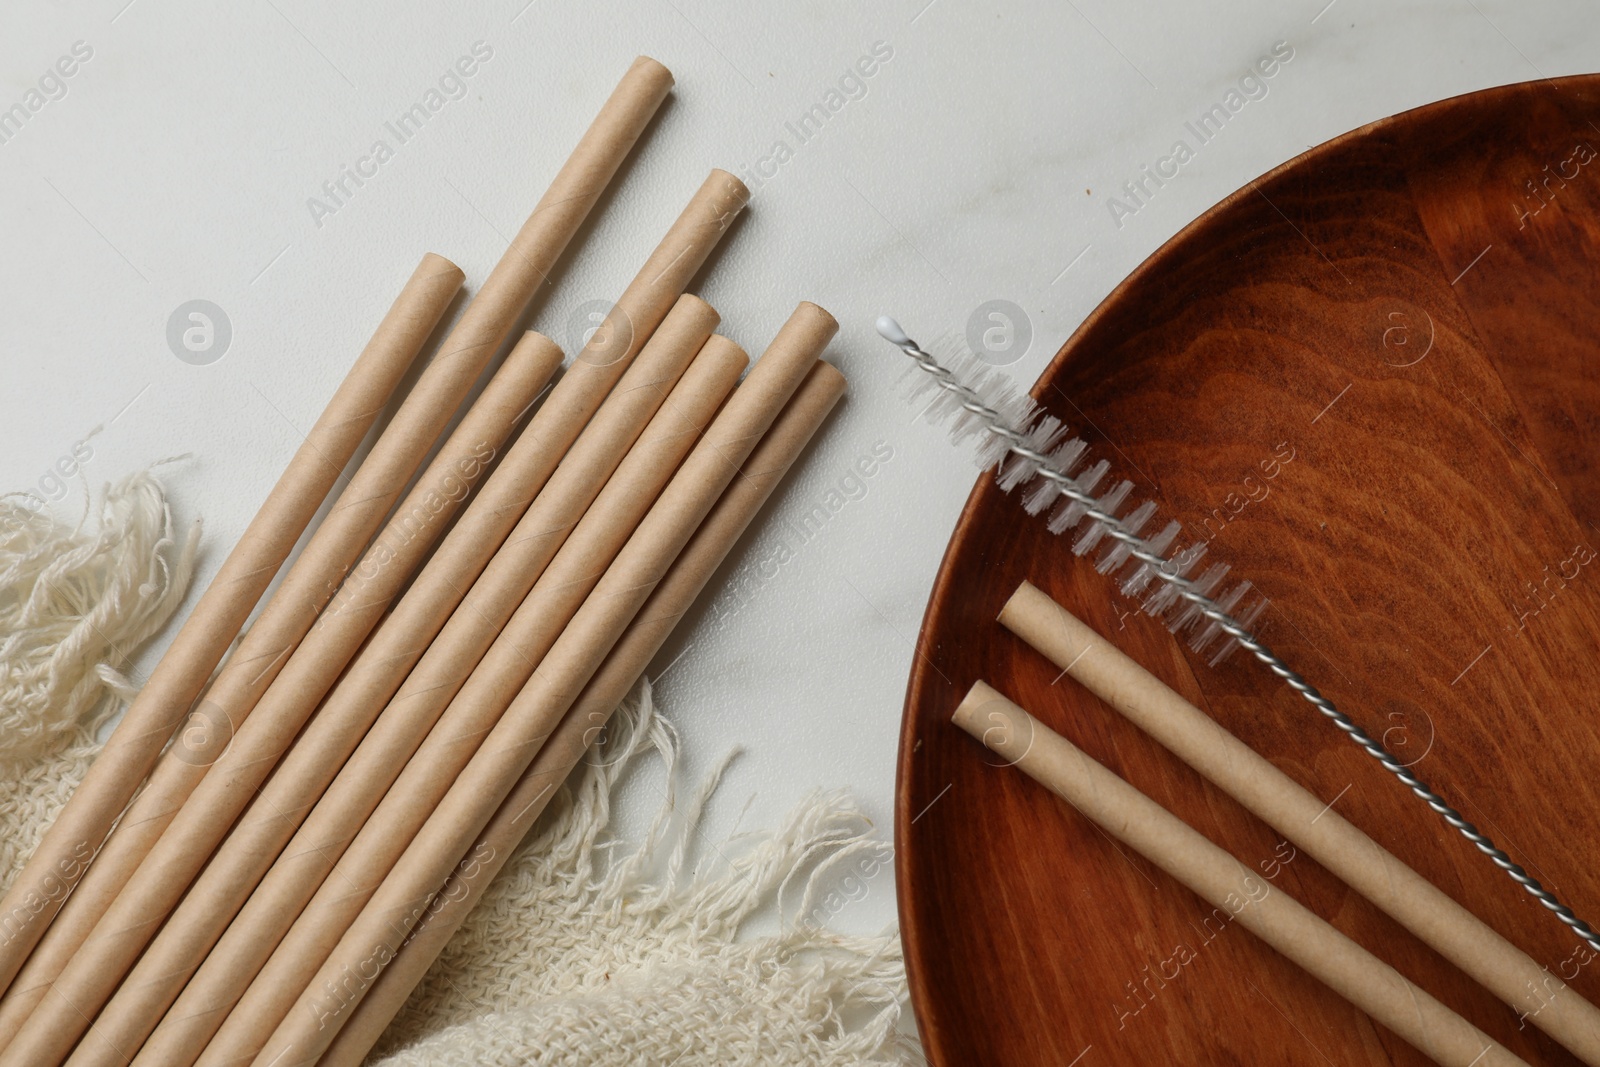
586 950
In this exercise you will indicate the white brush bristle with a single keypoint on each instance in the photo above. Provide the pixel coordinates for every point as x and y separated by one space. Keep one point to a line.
993 389
1068 512
1145 572
1206 585
989 387
1045 491
1182 565
1247 621
1111 503
1115 554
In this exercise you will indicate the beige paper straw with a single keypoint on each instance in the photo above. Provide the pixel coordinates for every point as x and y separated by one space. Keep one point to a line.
668 271
481 331
200 824
304 772
64 853
1305 819
493 682
586 720
295 875
1222 881
495 768
340 725
288 614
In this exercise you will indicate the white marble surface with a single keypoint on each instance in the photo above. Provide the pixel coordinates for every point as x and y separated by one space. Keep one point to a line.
979 161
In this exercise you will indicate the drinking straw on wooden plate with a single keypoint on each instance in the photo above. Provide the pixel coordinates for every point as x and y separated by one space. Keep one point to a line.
1305 819
535 626
481 331
173 861
506 753
67 847
345 717
1220 879
571 488
588 717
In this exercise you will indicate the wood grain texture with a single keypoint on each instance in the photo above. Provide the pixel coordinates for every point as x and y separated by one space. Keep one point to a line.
1370 380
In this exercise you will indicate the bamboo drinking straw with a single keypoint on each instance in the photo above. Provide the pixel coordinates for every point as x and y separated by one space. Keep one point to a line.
175 859
481 331
1363 864
78 830
456 822
456 650
623 667
340 724
493 683
1275 917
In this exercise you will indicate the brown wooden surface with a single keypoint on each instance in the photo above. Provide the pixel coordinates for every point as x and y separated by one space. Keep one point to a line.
1397 546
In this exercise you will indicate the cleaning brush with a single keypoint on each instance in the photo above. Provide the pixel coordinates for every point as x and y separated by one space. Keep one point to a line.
1030 450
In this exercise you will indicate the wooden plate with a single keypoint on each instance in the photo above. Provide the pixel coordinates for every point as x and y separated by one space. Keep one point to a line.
1370 379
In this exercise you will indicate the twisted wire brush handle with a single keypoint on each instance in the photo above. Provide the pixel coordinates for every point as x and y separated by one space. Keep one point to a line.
1024 442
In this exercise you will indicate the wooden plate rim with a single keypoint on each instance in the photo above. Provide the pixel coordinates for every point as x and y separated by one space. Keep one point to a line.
910 906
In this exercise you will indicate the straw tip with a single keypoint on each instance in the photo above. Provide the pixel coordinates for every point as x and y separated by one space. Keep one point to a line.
820 314
1026 591
435 264
537 346
725 348
729 184
690 302
834 378
890 331
979 696
652 67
